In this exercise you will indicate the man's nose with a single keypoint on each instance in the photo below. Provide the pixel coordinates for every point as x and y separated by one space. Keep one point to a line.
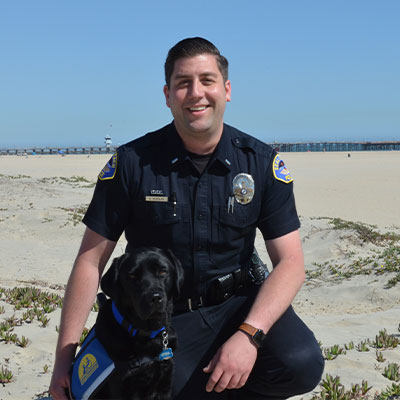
196 89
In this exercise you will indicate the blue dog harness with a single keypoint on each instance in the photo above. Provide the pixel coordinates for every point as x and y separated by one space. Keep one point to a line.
92 365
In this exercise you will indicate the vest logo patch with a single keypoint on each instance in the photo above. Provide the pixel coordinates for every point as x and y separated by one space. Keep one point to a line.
281 173
108 172
87 366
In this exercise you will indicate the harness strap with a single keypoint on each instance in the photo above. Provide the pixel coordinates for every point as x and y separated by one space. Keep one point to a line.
122 321
134 363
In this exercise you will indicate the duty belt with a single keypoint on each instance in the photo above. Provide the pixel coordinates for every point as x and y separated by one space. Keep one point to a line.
225 286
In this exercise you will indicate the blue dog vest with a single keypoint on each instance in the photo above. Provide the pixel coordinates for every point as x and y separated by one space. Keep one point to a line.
92 365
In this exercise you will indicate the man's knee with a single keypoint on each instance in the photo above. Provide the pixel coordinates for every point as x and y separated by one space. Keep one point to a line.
306 368
296 372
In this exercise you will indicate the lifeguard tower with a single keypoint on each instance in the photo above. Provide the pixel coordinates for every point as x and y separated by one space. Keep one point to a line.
108 143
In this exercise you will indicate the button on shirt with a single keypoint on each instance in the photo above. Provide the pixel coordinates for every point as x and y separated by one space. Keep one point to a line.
158 198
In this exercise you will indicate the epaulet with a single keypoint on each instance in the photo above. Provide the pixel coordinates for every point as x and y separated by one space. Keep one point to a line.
242 140
154 138
147 140
141 146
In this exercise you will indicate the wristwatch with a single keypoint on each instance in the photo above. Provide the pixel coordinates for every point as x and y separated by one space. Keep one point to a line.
257 335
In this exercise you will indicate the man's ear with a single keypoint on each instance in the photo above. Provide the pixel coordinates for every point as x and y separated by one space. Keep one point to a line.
228 90
109 282
166 94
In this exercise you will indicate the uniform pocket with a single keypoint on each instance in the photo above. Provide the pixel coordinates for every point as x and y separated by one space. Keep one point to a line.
159 224
232 231
241 216
159 213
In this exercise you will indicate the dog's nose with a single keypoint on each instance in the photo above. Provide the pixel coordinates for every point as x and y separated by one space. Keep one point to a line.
156 298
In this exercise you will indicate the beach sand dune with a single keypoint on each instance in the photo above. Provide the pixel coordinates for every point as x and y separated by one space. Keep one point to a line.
349 295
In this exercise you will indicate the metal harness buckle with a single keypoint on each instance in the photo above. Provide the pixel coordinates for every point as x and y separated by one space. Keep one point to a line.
191 309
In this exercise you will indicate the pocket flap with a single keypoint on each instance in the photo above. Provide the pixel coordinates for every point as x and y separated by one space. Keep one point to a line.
242 215
159 213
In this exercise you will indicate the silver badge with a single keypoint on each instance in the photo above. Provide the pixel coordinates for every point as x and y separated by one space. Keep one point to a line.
243 188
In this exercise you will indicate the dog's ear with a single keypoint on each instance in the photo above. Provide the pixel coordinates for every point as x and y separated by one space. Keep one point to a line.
109 281
177 272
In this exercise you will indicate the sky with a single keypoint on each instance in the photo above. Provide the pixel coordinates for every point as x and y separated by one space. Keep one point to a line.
74 71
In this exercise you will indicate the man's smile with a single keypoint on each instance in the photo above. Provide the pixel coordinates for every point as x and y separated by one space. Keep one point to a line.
198 108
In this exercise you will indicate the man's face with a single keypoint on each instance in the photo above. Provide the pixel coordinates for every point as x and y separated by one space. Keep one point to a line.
197 96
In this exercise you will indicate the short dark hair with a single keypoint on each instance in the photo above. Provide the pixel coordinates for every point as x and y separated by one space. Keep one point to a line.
192 47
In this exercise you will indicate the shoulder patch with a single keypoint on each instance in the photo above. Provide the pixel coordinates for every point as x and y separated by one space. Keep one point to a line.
281 173
109 170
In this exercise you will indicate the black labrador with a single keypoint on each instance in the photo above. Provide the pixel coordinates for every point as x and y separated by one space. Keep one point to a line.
134 324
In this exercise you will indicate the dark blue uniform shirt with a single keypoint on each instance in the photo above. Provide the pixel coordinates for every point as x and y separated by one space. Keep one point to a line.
152 191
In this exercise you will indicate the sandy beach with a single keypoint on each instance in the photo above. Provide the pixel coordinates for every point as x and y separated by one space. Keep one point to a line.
350 214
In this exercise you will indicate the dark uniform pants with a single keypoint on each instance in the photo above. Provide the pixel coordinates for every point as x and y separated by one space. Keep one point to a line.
289 361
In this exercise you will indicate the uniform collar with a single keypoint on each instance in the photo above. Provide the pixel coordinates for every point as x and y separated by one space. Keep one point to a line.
174 148
177 153
223 153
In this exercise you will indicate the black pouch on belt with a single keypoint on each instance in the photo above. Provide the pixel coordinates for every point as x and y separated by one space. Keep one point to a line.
258 271
221 289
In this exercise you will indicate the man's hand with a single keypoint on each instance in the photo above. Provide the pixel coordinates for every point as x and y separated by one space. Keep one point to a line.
232 364
59 384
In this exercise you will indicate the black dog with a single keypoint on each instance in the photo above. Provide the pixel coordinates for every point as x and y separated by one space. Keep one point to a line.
134 324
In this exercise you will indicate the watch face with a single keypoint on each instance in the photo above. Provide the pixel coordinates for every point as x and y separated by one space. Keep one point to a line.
258 337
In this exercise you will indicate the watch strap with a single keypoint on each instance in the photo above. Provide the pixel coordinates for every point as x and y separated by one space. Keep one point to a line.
249 329
257 335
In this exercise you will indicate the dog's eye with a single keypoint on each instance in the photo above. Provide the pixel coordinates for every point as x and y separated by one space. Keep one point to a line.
162 272
132 276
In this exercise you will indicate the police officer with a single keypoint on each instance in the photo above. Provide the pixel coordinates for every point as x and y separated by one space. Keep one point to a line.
201 188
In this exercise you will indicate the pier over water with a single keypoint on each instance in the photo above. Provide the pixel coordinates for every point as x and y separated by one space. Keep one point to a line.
58 150
281 147
336 146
